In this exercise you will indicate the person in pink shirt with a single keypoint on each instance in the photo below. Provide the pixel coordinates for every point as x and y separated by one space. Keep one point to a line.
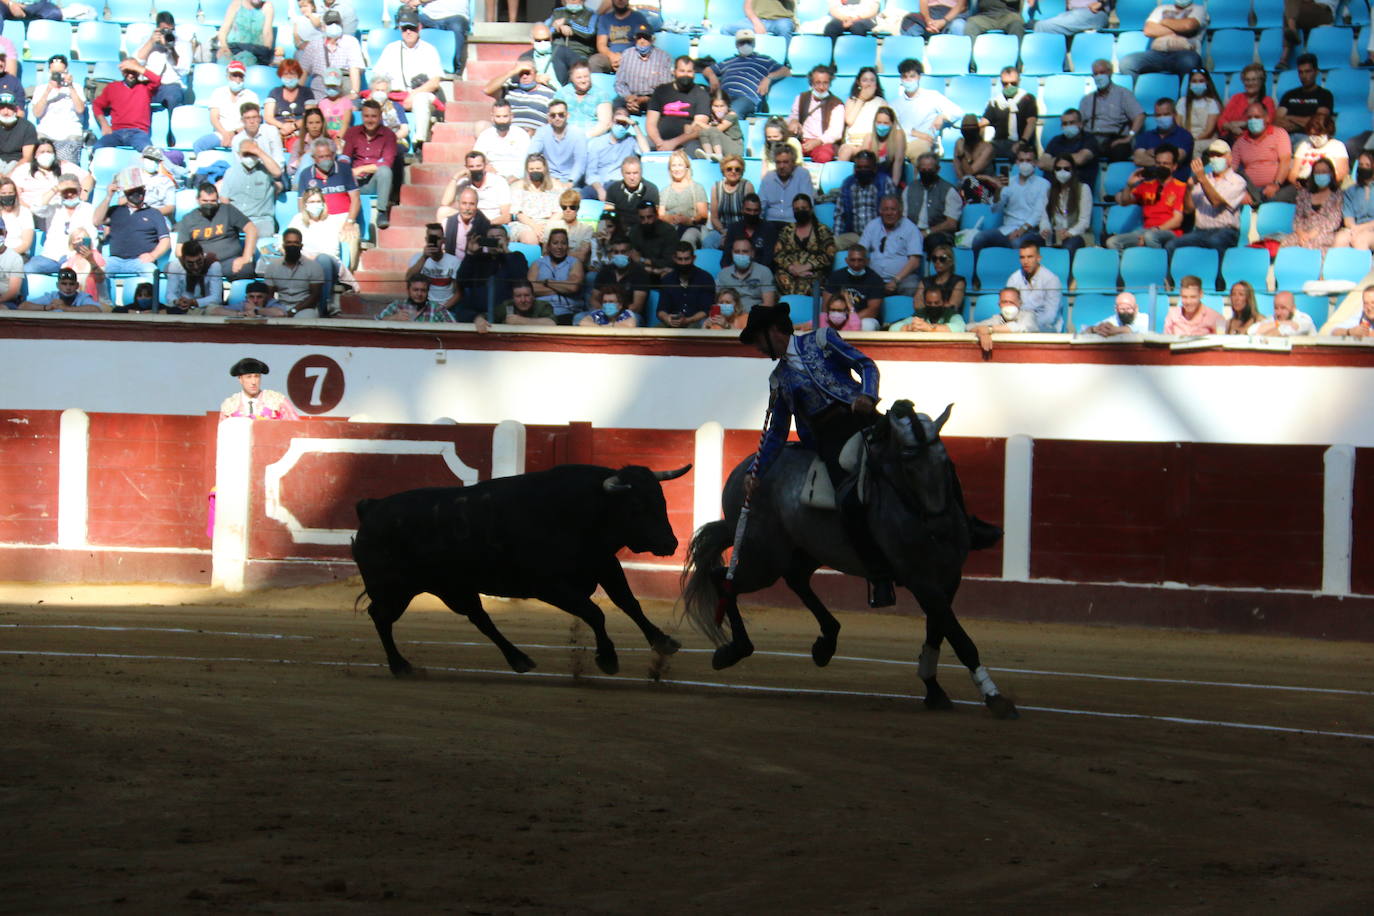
1190 318
252 401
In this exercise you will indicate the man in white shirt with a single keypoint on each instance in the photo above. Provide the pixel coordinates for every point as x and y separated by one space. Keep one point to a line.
894 248
1128 319
414 68
1022 204
1041 292
818 117
923 113
493 191
1011 318
504 146
70 215
224 104
437 266
266 137
1175 31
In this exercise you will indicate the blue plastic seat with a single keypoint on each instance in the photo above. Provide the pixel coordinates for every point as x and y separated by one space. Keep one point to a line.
46 38
1232 15
1286 80
897 308
1143 267
897 48
1269 41
1087 47
1252 266
1346 264
532 253
445 43
188 124
970 93
1151 87
806 51
160 126
129 12
674 44
1294 266
1130 43
993 50
854 52
1198 262
1232 49
98 40
108 161
1095 269
995 265
833 174
378 38
238 292
1349 89
1334 46
825 214
1274 218
263 80
972 215
984 305
285 208
1061 92
655 170
753 140
948 55
1318 308
803 307
1114 178
1091 308
782 93
1042 54
1121 219
206 78
1133 13
1056 261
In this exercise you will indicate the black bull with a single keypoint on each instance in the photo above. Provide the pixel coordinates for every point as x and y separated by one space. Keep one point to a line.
551 535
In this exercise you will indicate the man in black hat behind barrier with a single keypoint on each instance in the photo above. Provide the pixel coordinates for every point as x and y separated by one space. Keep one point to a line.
253 402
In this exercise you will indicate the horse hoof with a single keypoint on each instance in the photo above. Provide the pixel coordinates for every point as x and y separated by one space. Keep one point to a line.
936 699
666 645
1002 708
823 650
521 663
729 654
608 663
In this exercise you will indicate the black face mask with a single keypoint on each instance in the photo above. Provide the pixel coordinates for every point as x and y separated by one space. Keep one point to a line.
536 177
752 219
971 136
209 210
864 176
1362 175
684 83
476 175
292 252
802 216
135 198
7 201
929 178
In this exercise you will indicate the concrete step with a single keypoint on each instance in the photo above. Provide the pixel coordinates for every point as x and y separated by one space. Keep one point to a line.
507 50
405 215
405 238
452 131
480 72
469 90
430 173
419 195
446 153
468 111
383 264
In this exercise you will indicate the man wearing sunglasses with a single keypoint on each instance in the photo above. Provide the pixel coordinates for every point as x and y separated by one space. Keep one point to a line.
69 214
564 148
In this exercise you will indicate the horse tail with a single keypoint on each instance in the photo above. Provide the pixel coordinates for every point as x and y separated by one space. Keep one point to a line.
700 586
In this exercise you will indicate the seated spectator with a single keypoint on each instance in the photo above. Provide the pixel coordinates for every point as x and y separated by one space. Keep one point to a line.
557 278
608 152
642 71
284 108
169 56
296 282
145 300
1190 317
541 55
775 139
922 112
252 183
124 110
837 313
1357 206
320 236
761 234
996 16
69 212
1011 318
1078 16
780 186
494 193
616 25
726 314
1068 209
1200 109
579 233
485 277
936 17
773 17
687 294
263 136
1232 122
727 200
1128 319
58 109
973 154
934 315
195 282
11 274
1242 311
1076 143
626 196
138 233
1299 18
894 248
1022 203
247 35
417 305
1287 320
225 105
855 17
225 233
573 26
1012 114
1215 195
598 256
888 143
449 16
818 117
258 302
655 241
520 308
438 268
468 222
859 283
682 204
371 148
18 137
313 128
1318 215
722 136
88 263
932 203
1319 144
857 203
750 279
1299 105
805 251
1160 197
16 217
610 311
336 105
528 94
624 271
1263 155
335 51
393 115
678 111
68 296
1176 31
943 279
1111 114
1041 292
503 146
860 109
564 148
162 178
1361 324
413 68
747 76
1166 131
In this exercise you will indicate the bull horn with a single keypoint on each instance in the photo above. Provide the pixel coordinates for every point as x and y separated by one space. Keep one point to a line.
939 423
613 484
672 475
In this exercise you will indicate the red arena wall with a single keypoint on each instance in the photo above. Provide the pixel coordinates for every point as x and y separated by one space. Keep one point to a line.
28 475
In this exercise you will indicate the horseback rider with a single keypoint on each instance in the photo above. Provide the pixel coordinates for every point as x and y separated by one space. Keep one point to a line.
814 383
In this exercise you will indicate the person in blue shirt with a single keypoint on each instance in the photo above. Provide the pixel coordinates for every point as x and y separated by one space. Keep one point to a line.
615 32
68 297
1357 206
606 153
573 27
564 148
1167 130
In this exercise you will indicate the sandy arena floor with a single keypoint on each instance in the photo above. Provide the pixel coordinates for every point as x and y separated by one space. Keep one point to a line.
171 751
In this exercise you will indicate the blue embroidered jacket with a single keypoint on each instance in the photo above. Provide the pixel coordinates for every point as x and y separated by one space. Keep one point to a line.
823 379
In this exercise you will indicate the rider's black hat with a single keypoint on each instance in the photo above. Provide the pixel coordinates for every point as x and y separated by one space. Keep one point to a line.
762 317
248 366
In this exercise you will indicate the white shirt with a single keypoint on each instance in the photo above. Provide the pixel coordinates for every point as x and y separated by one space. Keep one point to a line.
1023 202
491 196
888 250
443 9
61 225
401 64
1191 11
441 273
919 111
268 140
505 155
228 104
60 120
1041 297
1141 325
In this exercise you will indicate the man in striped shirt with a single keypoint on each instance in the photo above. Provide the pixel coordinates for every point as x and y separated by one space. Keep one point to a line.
643 69
747 76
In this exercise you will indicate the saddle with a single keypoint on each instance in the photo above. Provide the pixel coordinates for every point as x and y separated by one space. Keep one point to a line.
818 492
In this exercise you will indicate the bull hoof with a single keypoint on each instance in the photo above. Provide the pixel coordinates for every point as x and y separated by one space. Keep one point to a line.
936 698
1002 707
729 654
608 663
521 663
823 650
666 645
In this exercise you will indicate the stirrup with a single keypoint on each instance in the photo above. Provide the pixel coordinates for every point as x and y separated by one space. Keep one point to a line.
881 593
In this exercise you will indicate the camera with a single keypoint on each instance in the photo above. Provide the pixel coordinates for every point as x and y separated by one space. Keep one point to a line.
418 81
434 241
168 35
59 79
485 242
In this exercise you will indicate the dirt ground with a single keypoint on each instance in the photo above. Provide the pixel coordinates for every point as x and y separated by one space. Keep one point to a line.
251 754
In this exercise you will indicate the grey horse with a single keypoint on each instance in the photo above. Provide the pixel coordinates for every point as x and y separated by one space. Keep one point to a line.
918 520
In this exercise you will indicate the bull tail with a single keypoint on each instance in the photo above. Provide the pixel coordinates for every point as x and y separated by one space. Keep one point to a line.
701 579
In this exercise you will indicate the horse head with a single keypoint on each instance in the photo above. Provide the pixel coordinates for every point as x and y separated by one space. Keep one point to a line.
919 457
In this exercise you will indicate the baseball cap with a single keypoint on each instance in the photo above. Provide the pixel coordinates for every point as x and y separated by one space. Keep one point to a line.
7 98
644 32
333 78
745 35
1216 146
238 66
152 152
332 17
66 273
407 17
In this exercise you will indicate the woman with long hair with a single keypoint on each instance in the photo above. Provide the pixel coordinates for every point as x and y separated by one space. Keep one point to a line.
1242 309
1318 214
1200 107
320 238
37 180
723 136
888 143
805 250
534 201
950 285
775 137
727 200
682 204
312 129
1069 210
865 100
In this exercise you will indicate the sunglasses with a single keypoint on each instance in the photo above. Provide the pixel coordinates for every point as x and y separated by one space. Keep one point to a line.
558 114
941 257
70 194
573 208
733 168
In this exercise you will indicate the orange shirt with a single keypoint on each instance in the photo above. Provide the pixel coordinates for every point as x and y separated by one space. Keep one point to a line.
1159 204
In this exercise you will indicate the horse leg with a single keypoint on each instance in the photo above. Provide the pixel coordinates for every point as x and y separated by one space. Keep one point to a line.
612 579
385 609
469 604
967 653
582 607
799 580
740 646
926 668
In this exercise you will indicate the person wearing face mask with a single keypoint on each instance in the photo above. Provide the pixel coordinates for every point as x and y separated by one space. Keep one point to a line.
335 50
572 26
1076 143
609 310
247 33
1319 144
746 77
726 314
654 240
138 234
752 281
1011 113
623 270
858 282
226 116
973 158
615 30
295 280
526 92
1263 154
606 153
223 230
194 282
678 112
252 183
144 302
771 17
687 293
12 275
58 107
504 145
922 111
520 308
541 55
1175 31
17 217
936 17
286 104
38 180
1167 131
320 238
805 250
643 68
534 201
857 204
1215 195
1160 197
68 296
1357 207
1199 109
1011 318
69 212
1232 121
888 143
818 117
1021 202
761 234
1126 319
169 56
161 177
1317 217
124 109
336 106
934 317
932 203
1069 209
1111 114
334 179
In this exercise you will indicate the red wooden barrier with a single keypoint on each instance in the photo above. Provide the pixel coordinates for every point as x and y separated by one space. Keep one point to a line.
28 475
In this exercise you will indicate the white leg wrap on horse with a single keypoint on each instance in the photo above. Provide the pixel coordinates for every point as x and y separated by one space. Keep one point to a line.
983 681
930 660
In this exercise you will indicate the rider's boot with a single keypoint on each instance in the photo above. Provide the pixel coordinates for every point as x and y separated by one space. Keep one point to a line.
881 592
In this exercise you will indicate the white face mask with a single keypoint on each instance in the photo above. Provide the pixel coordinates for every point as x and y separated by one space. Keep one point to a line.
315 209
45 160
1317 140
1063 175
248 162
151 166
333 30
8 119
1027 169
1009 312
